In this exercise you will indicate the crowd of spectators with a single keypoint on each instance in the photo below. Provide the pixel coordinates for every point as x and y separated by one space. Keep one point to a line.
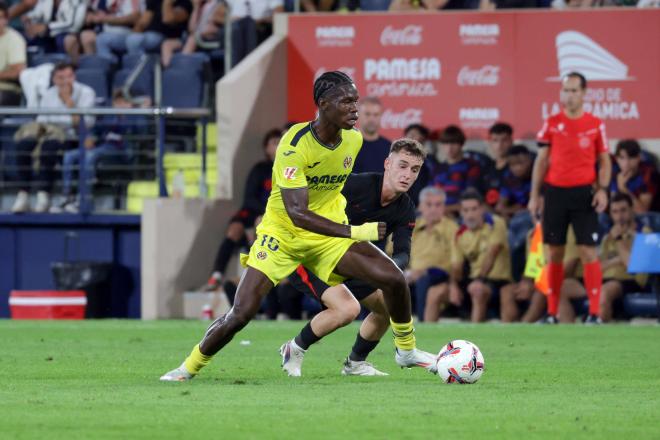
484 5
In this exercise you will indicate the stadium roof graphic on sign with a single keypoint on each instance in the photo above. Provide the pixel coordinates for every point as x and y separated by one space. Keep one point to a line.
578 52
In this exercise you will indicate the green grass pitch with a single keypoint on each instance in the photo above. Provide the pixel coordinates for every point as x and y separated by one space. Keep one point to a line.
83 380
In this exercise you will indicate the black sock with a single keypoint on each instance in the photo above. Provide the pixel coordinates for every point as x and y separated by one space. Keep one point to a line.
362 348
306 337
224 255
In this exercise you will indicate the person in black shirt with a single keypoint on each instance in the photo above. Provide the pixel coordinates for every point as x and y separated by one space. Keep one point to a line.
257 190
375 147
500 139
370 197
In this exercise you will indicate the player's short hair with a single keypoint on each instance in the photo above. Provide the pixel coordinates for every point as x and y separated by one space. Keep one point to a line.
518 150
410 146
472 194
630 146
419 127
327 82
452 134
270 134
501 128
622 197
432 191
578 75
371 100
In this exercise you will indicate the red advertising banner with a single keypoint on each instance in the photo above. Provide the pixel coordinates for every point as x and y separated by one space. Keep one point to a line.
474 69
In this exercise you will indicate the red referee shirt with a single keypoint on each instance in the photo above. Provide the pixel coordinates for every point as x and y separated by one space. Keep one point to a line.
574 148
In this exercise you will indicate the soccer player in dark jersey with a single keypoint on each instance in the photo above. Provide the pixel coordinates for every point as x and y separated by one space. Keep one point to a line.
515 183
370 197
572 143
500 139
632 176
256 193
305 222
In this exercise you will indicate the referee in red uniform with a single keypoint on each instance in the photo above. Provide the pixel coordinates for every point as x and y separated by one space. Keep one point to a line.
573 167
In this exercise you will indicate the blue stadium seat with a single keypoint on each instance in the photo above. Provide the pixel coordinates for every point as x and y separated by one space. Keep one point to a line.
144 85
95 62
650 219
129 61
177 96
98 80
196 61
375 5
42 58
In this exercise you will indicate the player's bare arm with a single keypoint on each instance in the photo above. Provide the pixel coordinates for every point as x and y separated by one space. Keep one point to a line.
538 174
296 203
604 176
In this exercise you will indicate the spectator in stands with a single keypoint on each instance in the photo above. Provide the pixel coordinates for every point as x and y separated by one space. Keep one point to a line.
500 139
319 5
206 21
113 23
261 11
632 176
110 131
615 252
456 173
161 25
375 148
482 242
49 22
421 133
430 255
516 182
12 60
490 5
257 190
21 7
49 135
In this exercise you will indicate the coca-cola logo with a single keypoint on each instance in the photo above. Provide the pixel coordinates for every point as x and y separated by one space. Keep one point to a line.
400 120
487 75
410 35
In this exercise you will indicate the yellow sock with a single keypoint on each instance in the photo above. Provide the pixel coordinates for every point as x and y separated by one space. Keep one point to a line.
196 360
404 335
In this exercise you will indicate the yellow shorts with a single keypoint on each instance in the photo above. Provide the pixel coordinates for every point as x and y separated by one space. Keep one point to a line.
277 252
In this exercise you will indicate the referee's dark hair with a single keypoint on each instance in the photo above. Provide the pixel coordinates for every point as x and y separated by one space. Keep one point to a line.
630 146
583 80
472 194
452 134
410 146
622 197
327 82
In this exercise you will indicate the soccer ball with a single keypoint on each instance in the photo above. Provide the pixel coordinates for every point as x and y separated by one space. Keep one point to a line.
460 362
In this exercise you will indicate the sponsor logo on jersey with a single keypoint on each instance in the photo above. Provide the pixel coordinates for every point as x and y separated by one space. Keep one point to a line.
261 255
313 165
410 35
290 173
288 153
348 162
487 75
326 182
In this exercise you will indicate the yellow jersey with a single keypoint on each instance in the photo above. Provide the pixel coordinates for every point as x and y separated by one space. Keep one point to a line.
302 160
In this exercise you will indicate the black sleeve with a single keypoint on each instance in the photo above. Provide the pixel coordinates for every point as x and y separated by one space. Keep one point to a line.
253 186
402 237
354 186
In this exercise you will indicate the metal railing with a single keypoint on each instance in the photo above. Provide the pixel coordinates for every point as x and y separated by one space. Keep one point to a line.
159 115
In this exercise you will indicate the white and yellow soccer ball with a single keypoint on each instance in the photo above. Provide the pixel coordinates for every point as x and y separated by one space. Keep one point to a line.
460 362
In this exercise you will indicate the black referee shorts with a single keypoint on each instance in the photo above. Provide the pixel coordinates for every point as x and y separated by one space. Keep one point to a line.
564 206
309 284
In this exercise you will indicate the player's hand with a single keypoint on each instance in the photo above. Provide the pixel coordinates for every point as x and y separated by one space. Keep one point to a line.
382 229
600 200
534 207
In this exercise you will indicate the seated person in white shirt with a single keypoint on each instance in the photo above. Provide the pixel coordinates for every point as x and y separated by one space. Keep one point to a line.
48 136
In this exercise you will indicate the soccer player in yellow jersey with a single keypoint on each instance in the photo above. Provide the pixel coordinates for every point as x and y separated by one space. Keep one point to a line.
305 223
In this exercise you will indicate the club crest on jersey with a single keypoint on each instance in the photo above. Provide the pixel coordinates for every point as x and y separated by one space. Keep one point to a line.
261 255
348 161
290 173
584 142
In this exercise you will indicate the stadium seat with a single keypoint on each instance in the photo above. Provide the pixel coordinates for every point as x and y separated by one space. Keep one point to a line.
42 58
211 137
95 62
97 79
144 85
375 5
196 61
184 97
